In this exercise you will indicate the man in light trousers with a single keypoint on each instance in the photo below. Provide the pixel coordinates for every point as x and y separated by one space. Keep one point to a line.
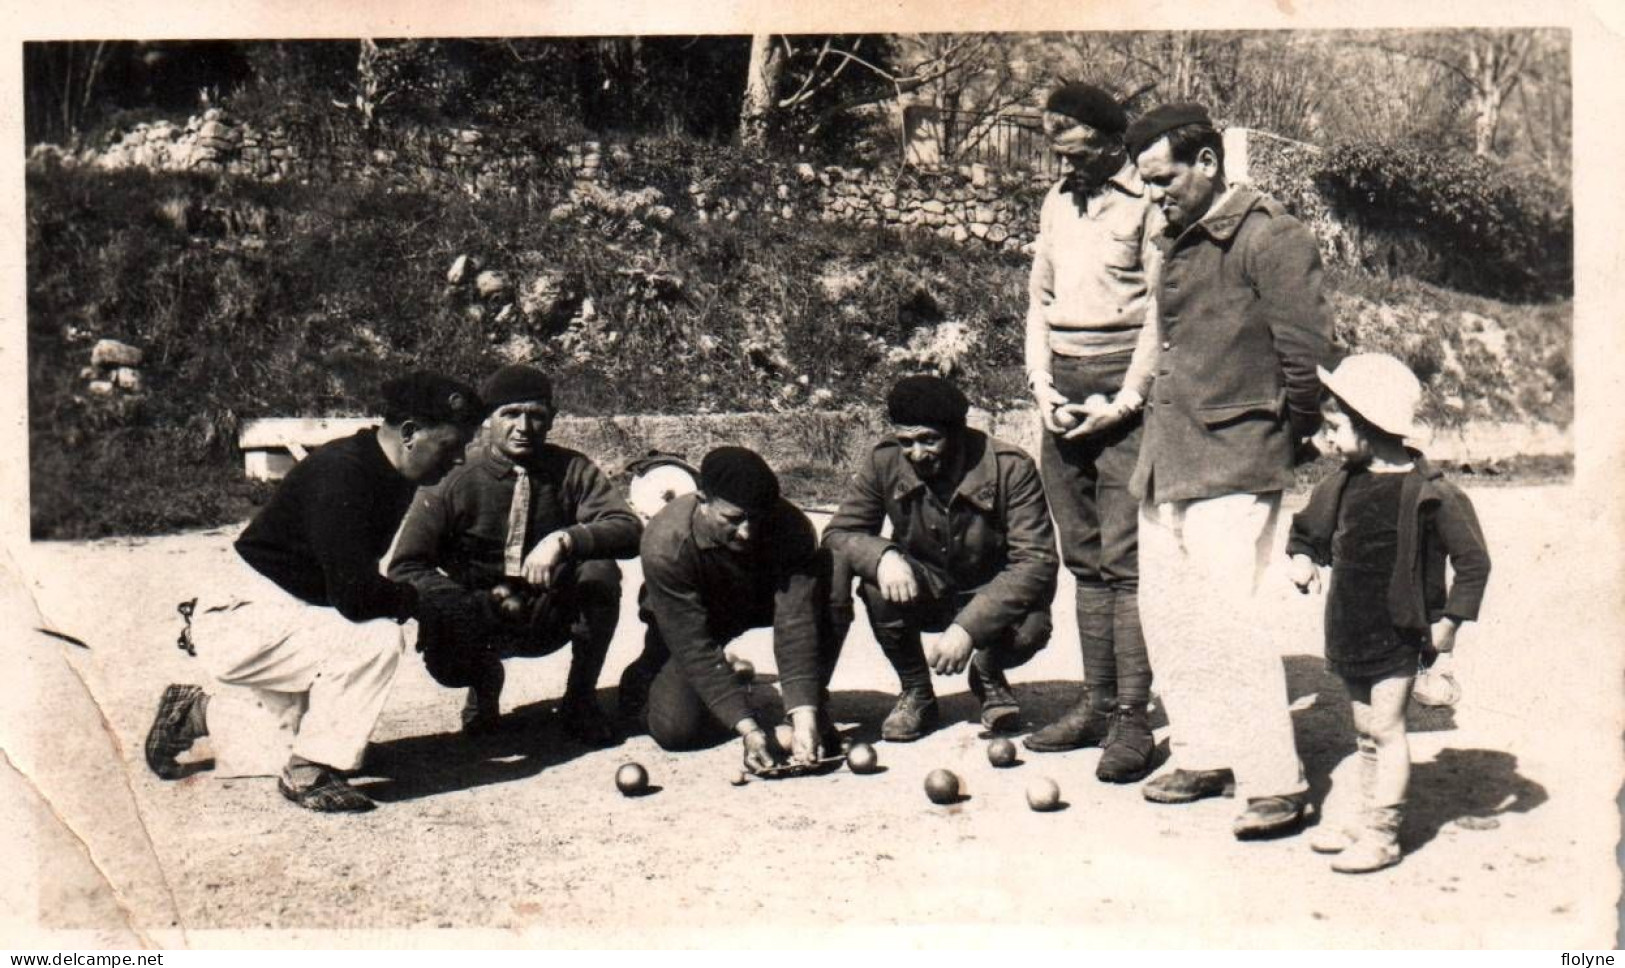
1240 326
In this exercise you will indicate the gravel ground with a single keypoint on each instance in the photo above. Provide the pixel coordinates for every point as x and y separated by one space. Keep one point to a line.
523 839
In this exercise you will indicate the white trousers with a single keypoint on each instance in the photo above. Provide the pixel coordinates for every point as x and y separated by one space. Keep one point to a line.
293 679
1202 564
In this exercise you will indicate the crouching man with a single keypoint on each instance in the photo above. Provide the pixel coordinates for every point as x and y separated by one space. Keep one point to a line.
543 522
733 556
306 645
971 557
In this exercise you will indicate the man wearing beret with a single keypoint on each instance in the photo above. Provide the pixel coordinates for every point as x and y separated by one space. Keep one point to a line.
545 523
305 645
1089 295
1240 327
970 561
732 556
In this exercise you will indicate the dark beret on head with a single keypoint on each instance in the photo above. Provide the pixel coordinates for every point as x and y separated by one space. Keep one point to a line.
926 401
1090 105
1158 121
517 383
741 477
430 398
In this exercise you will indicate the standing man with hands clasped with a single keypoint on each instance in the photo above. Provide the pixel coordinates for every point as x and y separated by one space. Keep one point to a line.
970 561
1089 295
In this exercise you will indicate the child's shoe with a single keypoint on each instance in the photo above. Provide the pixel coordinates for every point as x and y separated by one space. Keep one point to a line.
1377 845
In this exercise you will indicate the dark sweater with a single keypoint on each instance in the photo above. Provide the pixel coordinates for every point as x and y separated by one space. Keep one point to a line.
327 526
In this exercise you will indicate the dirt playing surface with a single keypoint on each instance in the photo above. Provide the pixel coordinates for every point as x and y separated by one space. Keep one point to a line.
1510 840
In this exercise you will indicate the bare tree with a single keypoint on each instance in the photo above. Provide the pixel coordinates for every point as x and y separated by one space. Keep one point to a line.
1488 64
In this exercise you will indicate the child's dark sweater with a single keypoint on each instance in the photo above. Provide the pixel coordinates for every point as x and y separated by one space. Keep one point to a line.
1434 523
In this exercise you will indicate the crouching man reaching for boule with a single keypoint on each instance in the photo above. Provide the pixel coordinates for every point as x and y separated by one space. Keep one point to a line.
734 556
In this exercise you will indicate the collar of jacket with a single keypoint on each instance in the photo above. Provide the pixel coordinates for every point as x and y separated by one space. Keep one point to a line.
980 486
1223 221
1126 180
495 462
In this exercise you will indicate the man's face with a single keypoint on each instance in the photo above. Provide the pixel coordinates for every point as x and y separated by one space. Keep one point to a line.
1183 191
1083 151
729 520
518 429
928 449
433 451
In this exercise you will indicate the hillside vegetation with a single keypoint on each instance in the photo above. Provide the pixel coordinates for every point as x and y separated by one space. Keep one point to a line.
252 299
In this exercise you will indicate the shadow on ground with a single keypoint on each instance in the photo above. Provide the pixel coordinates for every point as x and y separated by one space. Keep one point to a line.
530 740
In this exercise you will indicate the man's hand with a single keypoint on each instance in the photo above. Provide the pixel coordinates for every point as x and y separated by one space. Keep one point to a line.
896 579
805 747
1304 574
1100 415
951 651
1444 635
759 753
545 560
1049 401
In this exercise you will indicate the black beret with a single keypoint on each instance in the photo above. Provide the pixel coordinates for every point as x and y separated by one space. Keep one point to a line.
517 383
741 477
1089 104
1158 121
926 401
430 398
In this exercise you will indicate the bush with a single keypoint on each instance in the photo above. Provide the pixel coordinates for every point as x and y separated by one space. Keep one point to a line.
1486 231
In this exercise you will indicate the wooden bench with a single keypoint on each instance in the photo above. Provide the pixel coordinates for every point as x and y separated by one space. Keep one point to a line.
273 445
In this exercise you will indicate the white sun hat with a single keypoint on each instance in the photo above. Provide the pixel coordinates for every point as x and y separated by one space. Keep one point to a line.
1381 389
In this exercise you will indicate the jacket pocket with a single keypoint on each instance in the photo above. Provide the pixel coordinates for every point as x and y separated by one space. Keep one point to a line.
1123 252
1219 414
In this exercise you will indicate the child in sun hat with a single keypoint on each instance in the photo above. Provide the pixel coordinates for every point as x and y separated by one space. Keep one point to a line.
1386 523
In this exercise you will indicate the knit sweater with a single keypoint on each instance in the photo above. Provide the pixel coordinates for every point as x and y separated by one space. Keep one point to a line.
321 536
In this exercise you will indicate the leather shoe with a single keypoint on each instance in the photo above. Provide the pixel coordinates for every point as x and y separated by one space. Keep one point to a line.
1001 713
584 722
914 715
1188 786
1129 744
1082 726
1270 816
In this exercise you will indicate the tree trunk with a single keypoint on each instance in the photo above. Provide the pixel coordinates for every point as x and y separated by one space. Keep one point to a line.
761 80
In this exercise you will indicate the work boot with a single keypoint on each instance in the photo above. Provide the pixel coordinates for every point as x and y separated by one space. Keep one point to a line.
914 715
1188 786
1377 845
1270 816
1127 756
1082 726
482 710
584 722
1001 713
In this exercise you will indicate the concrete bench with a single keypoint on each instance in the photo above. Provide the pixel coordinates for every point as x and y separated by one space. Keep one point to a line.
273 445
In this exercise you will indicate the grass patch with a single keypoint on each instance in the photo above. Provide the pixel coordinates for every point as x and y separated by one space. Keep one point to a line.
253 299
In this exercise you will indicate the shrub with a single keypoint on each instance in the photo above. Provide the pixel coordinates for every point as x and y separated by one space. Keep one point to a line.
1486 231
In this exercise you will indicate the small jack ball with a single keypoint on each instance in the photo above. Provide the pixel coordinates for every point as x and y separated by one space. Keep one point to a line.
1043 795
632 779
